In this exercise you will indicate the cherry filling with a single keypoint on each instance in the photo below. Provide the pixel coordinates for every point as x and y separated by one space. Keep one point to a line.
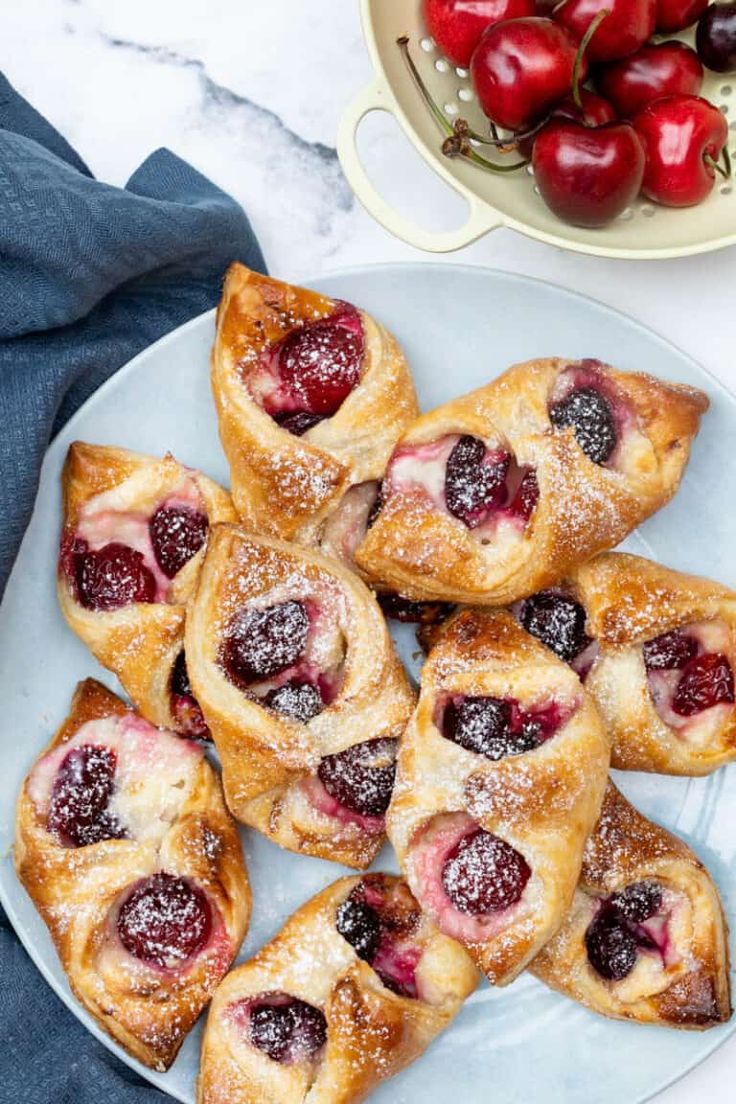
495 727
706 681
484 874
670 651
110 577
378 920
165 921
558 621
177 534
184 706
616 935
298 700
78 810
260 643
478 483
705 678
589 414
285 1028
403 609
361 778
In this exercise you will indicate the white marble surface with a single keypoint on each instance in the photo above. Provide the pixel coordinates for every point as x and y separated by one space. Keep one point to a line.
250 92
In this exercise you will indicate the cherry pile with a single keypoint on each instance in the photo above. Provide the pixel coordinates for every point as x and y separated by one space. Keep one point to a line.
642 127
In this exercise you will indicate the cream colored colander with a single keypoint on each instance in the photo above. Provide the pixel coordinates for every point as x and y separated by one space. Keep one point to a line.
644 231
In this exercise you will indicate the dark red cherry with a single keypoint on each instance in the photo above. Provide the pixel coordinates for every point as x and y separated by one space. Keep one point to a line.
611 945
674 15
669 652
706 681
299 701
637 902
628 24
261 643
484 874
189 720
526 497
404 609
357 922
320 363
658 69
589 414
84 783
483 725
456 25
683 138
165 920
180 684
362 777
473 487
715 37
298 424
558 621
287 1029
177 534
112 577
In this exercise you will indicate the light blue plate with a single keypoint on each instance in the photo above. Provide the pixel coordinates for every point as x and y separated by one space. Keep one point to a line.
459 327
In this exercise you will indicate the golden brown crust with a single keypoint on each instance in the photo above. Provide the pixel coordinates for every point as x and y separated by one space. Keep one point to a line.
628 601
426 553
77 890
372 1032
543 802
692 992
284 485
141 641
267 758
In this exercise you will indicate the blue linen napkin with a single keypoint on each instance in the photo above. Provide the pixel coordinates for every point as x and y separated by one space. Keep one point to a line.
89 275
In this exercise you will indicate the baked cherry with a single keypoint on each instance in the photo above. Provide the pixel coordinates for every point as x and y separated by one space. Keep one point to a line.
188 716
521 68
359 924
611 946
706 681
475 480
484 874
675 15
287 1029
670 651
78 810
496 727
527 496
298 424
111 577
637 902
362 777
715 38
683 138
558 621
403 609
658 69
177 534
300 701
165 921
320 362
456 25
261 643
627 25
589 414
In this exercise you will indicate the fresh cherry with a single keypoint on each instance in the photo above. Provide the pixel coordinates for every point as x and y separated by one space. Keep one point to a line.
521 68
706 681
588 412
360 925
456 25
659 69
111 577
613 936
683 137
177 534
669 652
715 38
78 810
675 15
484 874
361 778
165 920
593 111
558 621
300 701
287 1029
260 643
628 24
320 362
475 480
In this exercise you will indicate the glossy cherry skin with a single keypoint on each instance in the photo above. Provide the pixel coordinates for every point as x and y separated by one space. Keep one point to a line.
677 133
484 874
456 25
626 27
595 112
177 534
588 175
521 68
675 15
165 921
660 69
715 38
320 363
111 577
78 810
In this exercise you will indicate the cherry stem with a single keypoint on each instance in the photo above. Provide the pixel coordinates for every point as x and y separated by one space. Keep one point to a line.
577 66
723 170
459 133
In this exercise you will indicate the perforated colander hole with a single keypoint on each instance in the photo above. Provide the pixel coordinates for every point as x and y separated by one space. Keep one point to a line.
462 73
442 66
536 190
530 169
726 90
626 215
648 211
427 45
451 109
726 189
465 94
724 108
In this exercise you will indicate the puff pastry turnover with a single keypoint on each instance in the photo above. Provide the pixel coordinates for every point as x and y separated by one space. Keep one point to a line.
125 846
132 543
503 491
299 683
500 779
354 988
311 396
646 939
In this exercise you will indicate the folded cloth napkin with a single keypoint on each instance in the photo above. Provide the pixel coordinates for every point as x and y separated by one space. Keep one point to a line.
89 276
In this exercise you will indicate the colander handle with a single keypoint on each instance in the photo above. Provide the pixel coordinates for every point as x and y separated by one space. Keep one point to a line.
481 217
